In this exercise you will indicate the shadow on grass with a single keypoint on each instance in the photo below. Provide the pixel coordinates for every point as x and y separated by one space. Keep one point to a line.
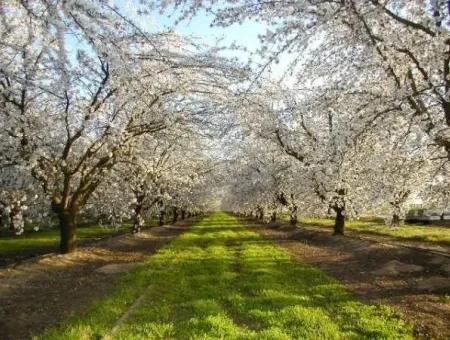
357 261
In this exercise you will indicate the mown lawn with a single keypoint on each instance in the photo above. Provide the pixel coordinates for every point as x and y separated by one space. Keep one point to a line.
425 233
49 239
221 281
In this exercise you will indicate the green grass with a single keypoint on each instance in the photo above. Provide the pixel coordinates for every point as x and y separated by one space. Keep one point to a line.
49 239
221 281
425 233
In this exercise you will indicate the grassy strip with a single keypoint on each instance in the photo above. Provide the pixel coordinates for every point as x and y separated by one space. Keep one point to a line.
11 245
221 281
424 233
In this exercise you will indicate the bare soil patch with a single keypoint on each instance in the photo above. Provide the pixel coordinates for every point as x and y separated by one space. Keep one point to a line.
38 294
414 282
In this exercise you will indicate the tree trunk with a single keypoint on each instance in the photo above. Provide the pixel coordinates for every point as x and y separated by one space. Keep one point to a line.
175 215
138 222
183 214
260 213
293 215
395 220
162 215
2 218
138 219
396 213
273 217
67 229
339 221
16 219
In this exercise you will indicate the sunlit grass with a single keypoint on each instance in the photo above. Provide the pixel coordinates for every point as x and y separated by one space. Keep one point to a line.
221 281
426 233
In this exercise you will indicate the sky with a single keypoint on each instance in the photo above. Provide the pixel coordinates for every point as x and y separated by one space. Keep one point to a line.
199 27
245 34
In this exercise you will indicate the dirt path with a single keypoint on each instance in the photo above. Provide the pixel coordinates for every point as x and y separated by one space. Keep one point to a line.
38 294
369 269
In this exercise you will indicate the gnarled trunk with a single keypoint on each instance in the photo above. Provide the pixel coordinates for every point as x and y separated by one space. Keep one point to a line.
273 217
67 227
293 215
162 216
339 221
2 217
138 223
138 219
397 212
396 220
16 219
400 198
174 215
260 213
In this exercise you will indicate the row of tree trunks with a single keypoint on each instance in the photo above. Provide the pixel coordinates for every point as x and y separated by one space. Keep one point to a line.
177 213
339 219
68 227
339 222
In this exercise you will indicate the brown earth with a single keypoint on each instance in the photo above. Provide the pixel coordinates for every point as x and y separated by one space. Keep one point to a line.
40 293
413 281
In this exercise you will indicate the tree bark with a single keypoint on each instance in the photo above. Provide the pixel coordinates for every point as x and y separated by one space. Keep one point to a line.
397 210
67 229
2 218
183 214
175 215
260 213
162 215
138 222
395 220
339 222
16 219
293 215
273 217
138 219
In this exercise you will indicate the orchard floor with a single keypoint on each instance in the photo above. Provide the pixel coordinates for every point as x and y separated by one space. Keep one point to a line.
14 249
40 293
222 278
363 265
